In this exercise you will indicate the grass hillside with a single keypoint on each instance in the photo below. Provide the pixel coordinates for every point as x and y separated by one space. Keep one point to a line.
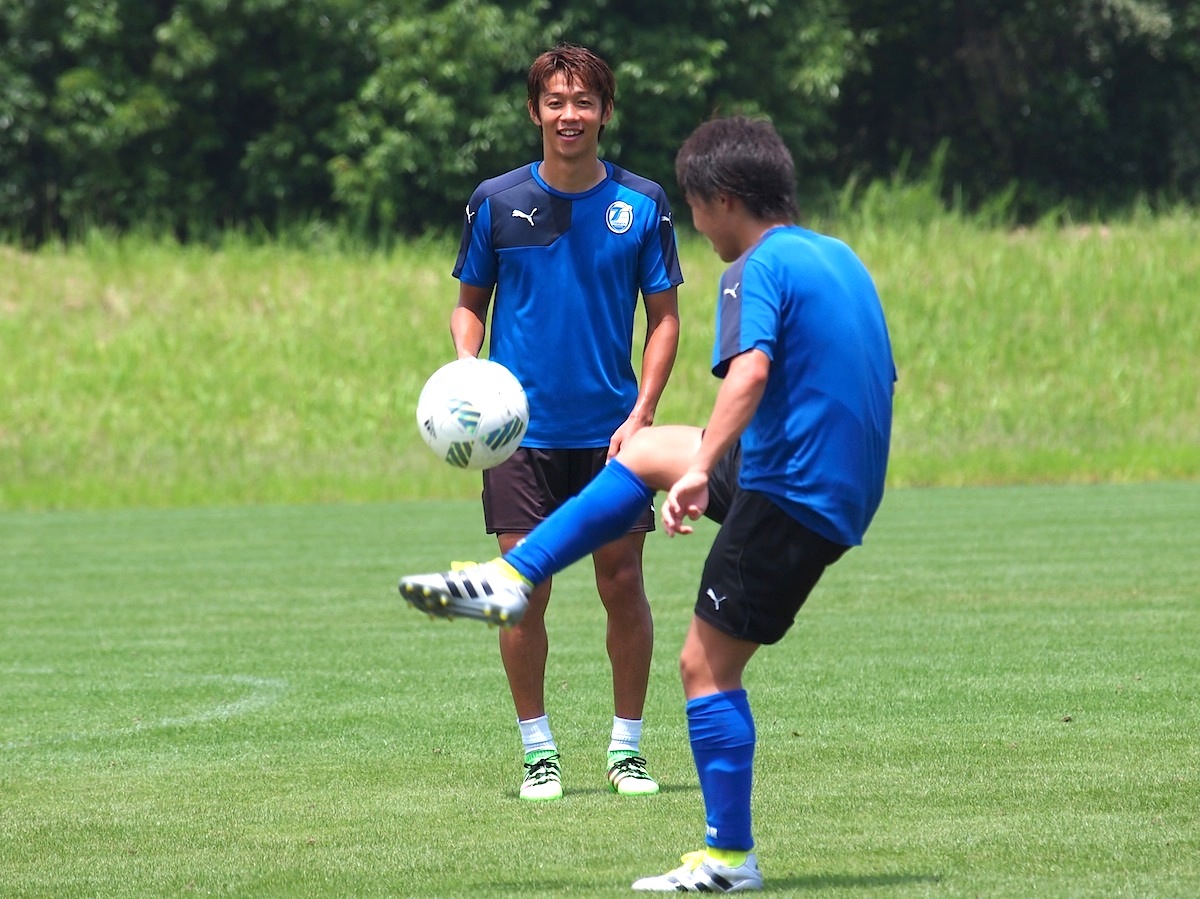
137 372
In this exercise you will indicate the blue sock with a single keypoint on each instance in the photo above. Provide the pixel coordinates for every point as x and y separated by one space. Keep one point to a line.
603 511
722 732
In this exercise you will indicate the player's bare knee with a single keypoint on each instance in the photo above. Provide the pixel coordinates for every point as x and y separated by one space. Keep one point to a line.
637 450
660 455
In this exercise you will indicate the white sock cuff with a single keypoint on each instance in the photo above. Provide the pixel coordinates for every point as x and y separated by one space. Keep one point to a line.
535 734
626 734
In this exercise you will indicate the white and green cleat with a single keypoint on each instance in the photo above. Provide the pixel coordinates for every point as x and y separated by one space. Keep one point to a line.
701 873
493 592
543 777
627 775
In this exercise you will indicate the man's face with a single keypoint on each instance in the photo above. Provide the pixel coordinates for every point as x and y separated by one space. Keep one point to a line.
570 116
711 218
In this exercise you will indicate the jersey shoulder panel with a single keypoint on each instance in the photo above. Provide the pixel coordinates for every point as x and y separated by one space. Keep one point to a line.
728 341
492 186
645 186
515 211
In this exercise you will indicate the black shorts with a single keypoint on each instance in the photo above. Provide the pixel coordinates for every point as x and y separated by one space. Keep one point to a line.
763 563
521 492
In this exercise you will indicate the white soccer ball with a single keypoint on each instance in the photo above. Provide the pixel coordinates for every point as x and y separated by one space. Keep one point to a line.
473 413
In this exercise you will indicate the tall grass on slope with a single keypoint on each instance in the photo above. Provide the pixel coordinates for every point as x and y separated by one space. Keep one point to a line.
152 374
139 372
1043 355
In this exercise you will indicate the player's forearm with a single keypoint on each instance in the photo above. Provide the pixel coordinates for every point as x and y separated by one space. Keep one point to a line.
735 405
658 359
467 332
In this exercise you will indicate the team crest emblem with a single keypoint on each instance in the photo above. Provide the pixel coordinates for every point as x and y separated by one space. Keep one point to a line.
619 217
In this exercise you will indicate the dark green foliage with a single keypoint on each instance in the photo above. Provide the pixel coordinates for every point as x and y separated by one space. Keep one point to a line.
444 107
1092 102
381 115
681 64
187 114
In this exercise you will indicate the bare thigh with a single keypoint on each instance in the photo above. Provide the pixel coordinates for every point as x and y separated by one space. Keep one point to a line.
661 454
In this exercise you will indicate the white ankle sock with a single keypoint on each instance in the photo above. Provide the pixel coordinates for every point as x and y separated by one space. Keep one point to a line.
536 736
626 735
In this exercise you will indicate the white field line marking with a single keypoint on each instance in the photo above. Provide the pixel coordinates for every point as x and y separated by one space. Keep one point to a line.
260 693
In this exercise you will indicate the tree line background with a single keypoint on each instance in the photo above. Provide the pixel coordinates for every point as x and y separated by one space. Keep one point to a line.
380 116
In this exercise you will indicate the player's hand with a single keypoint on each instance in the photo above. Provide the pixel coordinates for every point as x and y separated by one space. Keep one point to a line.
628 428
616 442
687 499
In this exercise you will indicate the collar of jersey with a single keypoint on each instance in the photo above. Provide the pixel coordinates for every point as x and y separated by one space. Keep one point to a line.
608 174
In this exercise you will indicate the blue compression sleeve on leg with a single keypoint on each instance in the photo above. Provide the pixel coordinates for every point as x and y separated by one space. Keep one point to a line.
722 732
601 512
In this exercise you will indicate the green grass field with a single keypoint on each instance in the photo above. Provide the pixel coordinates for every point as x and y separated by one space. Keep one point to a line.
996 696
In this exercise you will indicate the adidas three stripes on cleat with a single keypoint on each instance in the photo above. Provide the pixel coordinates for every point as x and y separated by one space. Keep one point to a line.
700 873
491 592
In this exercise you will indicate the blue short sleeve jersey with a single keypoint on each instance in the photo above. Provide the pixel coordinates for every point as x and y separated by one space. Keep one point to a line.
567 270
818 442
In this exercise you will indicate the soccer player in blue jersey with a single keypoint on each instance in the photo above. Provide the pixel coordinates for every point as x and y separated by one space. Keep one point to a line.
560 250
791 464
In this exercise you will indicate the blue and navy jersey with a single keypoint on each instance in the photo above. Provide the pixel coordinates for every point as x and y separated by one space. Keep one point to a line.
818 442
567 270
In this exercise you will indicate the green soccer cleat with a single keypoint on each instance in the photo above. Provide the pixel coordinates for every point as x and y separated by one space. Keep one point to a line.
627 776
492 592
702 874
543 778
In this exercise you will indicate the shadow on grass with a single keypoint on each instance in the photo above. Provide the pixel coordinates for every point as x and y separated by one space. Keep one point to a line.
817 882
603 790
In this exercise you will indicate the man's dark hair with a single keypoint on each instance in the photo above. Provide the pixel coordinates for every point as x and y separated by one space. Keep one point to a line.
744 158
581 67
